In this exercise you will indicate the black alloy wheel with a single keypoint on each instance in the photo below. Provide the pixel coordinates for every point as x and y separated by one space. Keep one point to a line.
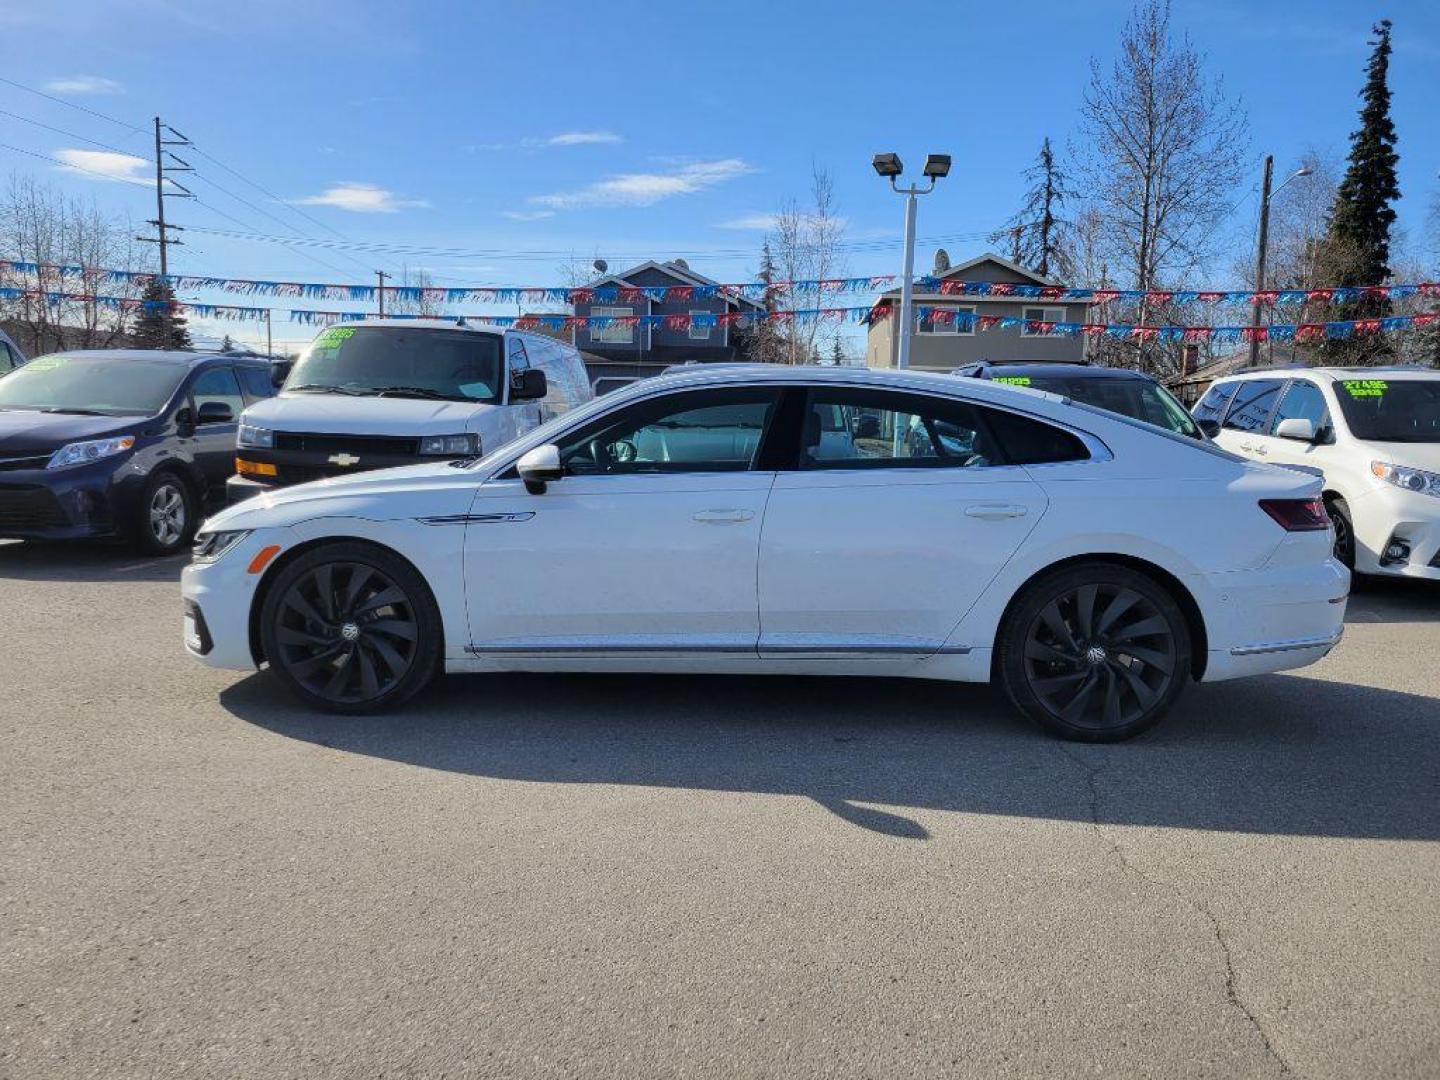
1095 653
1339 511
351 628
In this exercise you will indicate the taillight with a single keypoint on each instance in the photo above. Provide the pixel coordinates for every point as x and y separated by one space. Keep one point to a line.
1297 515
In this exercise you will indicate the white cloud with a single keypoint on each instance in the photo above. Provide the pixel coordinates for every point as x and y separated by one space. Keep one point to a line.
527 215
584 138
758 222
84 84
646 189
103 165
360 198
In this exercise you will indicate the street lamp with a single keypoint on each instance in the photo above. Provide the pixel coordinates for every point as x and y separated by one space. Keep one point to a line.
1263 241
890 167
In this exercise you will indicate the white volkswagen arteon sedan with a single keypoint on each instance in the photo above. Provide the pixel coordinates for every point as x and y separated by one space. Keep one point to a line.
793 521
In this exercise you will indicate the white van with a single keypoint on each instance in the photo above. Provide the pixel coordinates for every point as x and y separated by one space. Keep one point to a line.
380 393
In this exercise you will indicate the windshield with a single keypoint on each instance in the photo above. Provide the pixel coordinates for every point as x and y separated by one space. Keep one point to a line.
452 365
90 385
1138 399
1391 410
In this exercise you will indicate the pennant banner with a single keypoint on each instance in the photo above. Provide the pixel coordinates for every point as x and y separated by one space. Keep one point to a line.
754 292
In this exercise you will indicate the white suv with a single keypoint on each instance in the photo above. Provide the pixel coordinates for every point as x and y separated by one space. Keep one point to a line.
1373 432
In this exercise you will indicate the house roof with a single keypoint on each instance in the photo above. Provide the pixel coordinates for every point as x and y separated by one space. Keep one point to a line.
989 256
682 274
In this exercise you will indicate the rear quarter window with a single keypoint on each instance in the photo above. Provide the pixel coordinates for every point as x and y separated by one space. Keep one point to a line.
1033 442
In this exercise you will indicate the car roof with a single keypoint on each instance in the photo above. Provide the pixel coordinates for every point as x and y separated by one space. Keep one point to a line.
1289 371
178 357
449 322
1006 369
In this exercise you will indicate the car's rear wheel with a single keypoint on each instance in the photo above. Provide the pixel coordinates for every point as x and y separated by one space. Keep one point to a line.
1344 530
166 515
1094 652
351 627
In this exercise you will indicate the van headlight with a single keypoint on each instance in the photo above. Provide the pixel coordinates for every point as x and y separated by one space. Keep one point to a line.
209 546
259 437
82 453
450 445
1416 480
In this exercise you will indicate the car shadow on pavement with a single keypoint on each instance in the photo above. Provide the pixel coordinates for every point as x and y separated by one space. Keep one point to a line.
1393 600
1277 754
85 561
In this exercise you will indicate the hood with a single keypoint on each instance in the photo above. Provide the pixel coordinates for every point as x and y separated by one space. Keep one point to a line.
344 414
1412 455
411 491
23 430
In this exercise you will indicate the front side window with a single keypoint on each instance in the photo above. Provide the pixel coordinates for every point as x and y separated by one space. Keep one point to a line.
81 384
1250 408
1040 314
1385 410
7 358
217 384
1302 401
926 323
700 431
401 361
615 333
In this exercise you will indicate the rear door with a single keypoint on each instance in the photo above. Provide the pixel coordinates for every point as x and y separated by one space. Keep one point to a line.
1247 417
897 512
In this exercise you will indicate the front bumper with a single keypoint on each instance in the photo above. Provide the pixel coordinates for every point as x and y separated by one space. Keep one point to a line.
81 502
1389 514
218 596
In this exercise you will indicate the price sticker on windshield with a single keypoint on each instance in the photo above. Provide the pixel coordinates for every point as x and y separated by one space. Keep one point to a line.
1013 380
44 363
1365 388
334 336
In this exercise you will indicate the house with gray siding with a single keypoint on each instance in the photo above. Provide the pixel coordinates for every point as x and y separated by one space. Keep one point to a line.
941 346
638 351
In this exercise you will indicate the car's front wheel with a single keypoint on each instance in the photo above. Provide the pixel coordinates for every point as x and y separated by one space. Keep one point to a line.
1095 652
351 627
166 517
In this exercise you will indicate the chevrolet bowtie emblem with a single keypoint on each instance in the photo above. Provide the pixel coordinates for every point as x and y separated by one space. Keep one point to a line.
344 459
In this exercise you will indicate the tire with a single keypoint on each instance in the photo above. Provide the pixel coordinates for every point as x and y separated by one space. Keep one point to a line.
1344 530
351 628
166 517
1087 628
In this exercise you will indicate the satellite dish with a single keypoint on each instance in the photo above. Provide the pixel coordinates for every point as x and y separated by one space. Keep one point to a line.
601 266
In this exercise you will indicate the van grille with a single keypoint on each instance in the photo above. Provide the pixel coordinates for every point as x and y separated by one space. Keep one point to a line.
318 443
27 460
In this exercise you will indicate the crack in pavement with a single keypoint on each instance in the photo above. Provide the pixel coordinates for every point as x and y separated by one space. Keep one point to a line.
1232 994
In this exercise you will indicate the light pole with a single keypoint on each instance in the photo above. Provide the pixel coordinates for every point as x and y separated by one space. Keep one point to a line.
1263 240
890 167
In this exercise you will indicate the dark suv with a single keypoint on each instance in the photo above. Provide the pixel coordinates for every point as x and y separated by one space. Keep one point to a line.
121 443
1116 390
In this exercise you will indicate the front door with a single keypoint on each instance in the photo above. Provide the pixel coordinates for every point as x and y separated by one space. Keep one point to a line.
901 510
647 544
213 443
1301 400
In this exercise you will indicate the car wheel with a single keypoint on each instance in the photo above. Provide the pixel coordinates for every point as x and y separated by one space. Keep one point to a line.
1344 530
1095 652
166 515
351 627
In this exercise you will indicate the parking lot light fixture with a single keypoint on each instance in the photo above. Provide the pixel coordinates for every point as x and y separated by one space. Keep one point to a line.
889 167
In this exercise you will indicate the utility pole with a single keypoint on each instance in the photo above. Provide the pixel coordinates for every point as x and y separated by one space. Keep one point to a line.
269 345
380 292
1260 245
163 169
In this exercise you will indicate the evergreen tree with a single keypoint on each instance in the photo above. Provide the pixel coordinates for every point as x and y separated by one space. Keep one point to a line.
160 327
1038 233
226 345
837 352
767 275
763 343
1356 248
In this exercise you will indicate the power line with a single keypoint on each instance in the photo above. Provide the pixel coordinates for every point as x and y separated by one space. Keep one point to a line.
67 134
69 165
72 105
270 194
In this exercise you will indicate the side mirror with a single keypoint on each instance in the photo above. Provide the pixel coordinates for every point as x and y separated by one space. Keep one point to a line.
1211 428
1298 428
215 412
530 385
539 466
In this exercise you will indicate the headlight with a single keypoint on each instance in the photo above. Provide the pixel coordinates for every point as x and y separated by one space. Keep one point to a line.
1417 480
209 546
450 445
79 453
250 435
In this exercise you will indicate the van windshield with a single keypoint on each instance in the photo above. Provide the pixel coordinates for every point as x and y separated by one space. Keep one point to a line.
89 384
449 365
1138 399
1391 410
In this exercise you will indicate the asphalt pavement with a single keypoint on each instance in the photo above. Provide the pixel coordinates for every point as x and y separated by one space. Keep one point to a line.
718 877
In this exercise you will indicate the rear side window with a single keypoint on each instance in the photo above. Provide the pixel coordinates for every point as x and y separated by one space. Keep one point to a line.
1212 405
256 383
844 428
1251 407
1024 441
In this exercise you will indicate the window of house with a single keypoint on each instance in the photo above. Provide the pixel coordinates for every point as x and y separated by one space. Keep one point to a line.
698 333
615 334
925 323
1040 314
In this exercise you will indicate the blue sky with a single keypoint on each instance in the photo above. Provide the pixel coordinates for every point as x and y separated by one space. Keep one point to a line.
514 134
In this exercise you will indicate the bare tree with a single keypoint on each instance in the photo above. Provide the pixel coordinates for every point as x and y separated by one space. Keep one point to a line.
1166 146
424 304
40 225
805 243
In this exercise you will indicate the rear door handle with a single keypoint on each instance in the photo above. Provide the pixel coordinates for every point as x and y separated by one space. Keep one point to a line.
995 511
723 517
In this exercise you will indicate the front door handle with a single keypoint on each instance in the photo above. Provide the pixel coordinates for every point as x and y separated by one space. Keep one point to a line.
723 517
995 511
